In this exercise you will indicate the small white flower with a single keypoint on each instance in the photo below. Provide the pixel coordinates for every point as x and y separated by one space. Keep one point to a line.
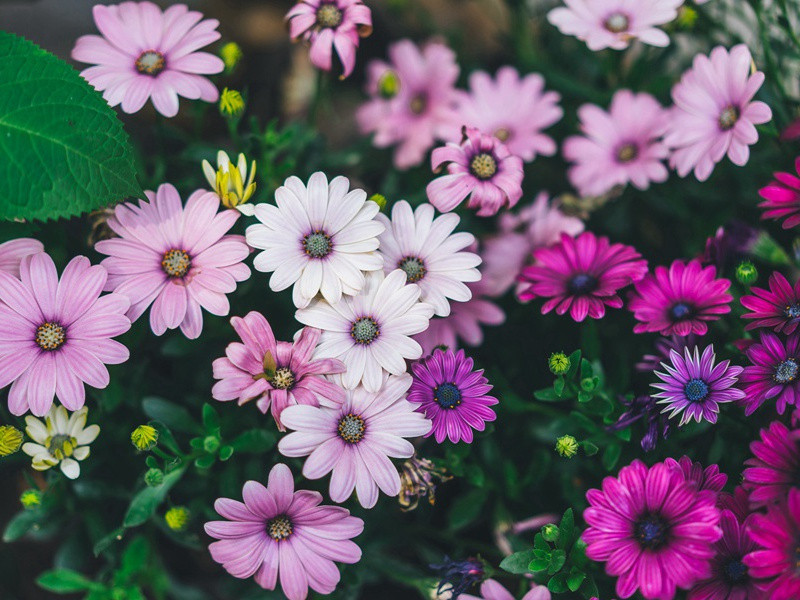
232 184
62 438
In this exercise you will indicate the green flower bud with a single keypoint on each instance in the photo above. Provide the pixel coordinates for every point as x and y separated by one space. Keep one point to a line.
559 363
177 518
567 446
746 273
211 444
31 498
154 477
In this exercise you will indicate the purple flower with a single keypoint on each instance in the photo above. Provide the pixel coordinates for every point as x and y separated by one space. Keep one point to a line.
778 307
729 242
457 576
492 590
708 478
773 373
643 408
663 346
773 470
782 198
12 253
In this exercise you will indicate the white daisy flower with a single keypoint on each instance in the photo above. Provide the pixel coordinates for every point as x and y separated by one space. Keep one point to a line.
231 183
62 438
320 238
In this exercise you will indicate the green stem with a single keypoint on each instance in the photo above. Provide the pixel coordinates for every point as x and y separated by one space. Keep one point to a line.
316 102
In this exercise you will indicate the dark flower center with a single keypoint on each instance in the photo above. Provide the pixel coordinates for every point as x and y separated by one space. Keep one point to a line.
279 528
581 284
176 263
418 104
328 15
283 379
483 166
786 372
792 311
50 336
617 23
150 62
651 532
627 153
502 134
61 445
447 395
352 428
681 311
414 268
728 118
696 390
317 244
364 331
735 571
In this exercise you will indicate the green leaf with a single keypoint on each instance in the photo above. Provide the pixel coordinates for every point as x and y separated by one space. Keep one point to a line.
107 540
254 441
574 581
225 452
467 508
145 503
63 150
557 560
210 419
611 456
558 386
65 581
170 414
546 395
20 524
558 584
566 529
135 557
205 461
518 562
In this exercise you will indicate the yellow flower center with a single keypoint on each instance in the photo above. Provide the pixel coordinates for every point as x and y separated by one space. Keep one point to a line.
279 528
61 445
483 166
176 263
329 15
50 336
150 62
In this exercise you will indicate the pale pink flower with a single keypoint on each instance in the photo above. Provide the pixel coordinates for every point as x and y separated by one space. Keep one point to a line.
144 53
12 253
176 258
620 146
714 112
492 590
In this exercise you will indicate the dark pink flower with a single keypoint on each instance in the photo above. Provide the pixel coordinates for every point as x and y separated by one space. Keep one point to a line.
708 478
778 307
775 464
782 198
773 373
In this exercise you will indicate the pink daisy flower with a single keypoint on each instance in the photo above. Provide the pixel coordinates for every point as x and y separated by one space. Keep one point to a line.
680 300
55 334
413 100
582 275
514 110
429 253
708 478
773 374
176 258
355 441
654 531
144 53
482 169
773 470
620 146
714 112
782 198
615 23
280 531
276 374
492 590
452 395
12 253
778 307
330 24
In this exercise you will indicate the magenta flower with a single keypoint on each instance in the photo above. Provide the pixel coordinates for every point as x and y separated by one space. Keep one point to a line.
280 531
782 198
492 590
176 258
329 24
581 275
778 308
773 373
680 300
714 112
144 53
654 530
355 441
452 395
708 478
55 335
514 110
775 464
620 146
694 387
413 100
12 253
277 374
482 169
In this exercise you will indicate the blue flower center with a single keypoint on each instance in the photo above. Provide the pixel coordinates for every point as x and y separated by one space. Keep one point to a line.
317 244
364 331
447 395
413 267
651 532
786 372
582 283
680 311
735 571
695 390
352 428
792 311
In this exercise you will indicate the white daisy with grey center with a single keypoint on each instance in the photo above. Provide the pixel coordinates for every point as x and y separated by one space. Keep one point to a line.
62 439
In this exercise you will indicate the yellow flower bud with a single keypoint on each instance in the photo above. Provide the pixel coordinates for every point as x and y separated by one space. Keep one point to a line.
177 518
144 437
10 440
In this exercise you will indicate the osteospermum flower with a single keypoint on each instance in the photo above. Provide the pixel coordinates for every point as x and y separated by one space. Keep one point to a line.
708 478
482 169
773 374
654 531
514 110
371 333
492 590
330 24
275 374
355 441
694 387
452 395
581 275
620 146
179 259
280 531
321 238
773 469
429 253
714 112
144 53
12 253
615 23
782 198
778 307
63 439
680 300
55 335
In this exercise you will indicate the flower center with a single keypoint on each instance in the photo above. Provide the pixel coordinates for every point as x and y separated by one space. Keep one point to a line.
695 390
328 15
317 244
651 532
283 379
735 571
352 428
581 284
150 62
792 311
447 395
50 336
786 372
728 118
389 84
176 263
364 331
61 445
413 267
617 23
279 528
680 311
418 104
483 166
627 153
502 134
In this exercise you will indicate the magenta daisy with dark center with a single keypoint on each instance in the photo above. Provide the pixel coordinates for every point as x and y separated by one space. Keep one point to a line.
777 308
452 395
782 198
702 478
775 466
773 374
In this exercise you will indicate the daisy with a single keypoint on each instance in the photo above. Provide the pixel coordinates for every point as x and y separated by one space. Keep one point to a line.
680 300
782 198
330 24
514 110
773 374
12 253
55 335
582 275
714 112
694 387
280 531
615 23
63 439
275 374
429 253
176 258
775 464
144 53
452 395
620 146
481 169
355 441
708 478
778 307
492 590
231 182
321 238
371 333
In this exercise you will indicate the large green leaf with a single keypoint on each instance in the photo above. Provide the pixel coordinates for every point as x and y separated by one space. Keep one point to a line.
63 151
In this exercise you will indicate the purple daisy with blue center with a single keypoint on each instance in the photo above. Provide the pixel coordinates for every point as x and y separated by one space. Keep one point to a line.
694 387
